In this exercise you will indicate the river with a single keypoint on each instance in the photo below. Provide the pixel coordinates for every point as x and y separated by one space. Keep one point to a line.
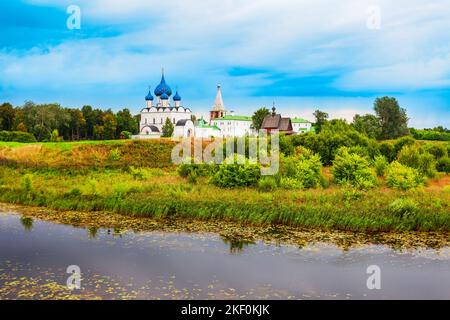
35 256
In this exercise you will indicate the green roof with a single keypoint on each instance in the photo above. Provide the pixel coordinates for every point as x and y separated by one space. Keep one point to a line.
203 124
299 120
238 118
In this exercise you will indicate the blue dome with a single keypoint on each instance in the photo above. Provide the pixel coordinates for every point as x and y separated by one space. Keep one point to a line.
164 96
163 88
176 97
149 96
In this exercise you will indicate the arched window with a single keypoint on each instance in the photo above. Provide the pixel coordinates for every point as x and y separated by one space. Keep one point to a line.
154 120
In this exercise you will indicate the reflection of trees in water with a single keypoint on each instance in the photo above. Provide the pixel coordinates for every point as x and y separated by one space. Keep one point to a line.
92 232
236 244
27 223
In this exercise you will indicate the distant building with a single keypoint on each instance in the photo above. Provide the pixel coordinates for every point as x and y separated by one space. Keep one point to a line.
153 116
234 126
218 109
301 125
204 130
274 121
221 124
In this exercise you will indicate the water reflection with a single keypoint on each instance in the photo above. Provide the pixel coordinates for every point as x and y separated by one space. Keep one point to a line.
27 223
92 232
236 245
182 265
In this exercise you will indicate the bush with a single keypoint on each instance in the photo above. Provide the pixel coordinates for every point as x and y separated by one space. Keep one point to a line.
267 184
380 163
415 157
402 142
431 135
443 165
138 173
126 134
237 175
353 169
403 208
290 183
201 170
114 155
304 167
387 150
16 136
437 150
333 136
401 177
192 177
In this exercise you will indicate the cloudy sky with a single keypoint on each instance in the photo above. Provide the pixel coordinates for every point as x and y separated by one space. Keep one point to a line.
304 55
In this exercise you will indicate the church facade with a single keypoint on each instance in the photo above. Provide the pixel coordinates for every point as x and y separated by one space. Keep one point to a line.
163 107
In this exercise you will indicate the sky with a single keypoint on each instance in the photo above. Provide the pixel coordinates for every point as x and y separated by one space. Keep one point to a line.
332 55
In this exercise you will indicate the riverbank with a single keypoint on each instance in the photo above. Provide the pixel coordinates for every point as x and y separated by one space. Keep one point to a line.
236 234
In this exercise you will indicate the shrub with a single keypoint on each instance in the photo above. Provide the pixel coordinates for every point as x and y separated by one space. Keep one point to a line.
267 183
403 207
16 136
387 149
401 177
380 163
437 150
333 136
290 183
402 142
353 169
201 170
415 157
192 177
305 167
126 134
138 173
114 155
443 165
236 175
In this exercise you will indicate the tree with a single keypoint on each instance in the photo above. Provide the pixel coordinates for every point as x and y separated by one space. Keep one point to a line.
367 124
110 126
258 117
7 115
321 119
54 136
393 119
167 129
126 122
89 117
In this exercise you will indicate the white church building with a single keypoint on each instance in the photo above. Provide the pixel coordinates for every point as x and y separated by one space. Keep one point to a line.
221 123
154 115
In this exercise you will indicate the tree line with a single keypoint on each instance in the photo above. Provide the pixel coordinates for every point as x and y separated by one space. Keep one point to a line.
48 122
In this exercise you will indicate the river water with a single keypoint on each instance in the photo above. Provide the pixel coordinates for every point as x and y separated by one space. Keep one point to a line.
35 256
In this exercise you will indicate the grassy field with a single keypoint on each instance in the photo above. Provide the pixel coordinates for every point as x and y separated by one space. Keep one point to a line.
96 177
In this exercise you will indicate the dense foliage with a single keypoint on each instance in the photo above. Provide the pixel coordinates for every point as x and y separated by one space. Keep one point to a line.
16 136
438 134
72 124
353 169
401 177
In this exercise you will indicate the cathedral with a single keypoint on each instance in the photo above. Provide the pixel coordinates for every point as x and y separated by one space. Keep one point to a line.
154 115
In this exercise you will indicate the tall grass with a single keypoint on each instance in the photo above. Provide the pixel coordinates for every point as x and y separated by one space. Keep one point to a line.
164 194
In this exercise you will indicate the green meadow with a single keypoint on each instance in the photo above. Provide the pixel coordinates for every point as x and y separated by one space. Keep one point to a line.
137 178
